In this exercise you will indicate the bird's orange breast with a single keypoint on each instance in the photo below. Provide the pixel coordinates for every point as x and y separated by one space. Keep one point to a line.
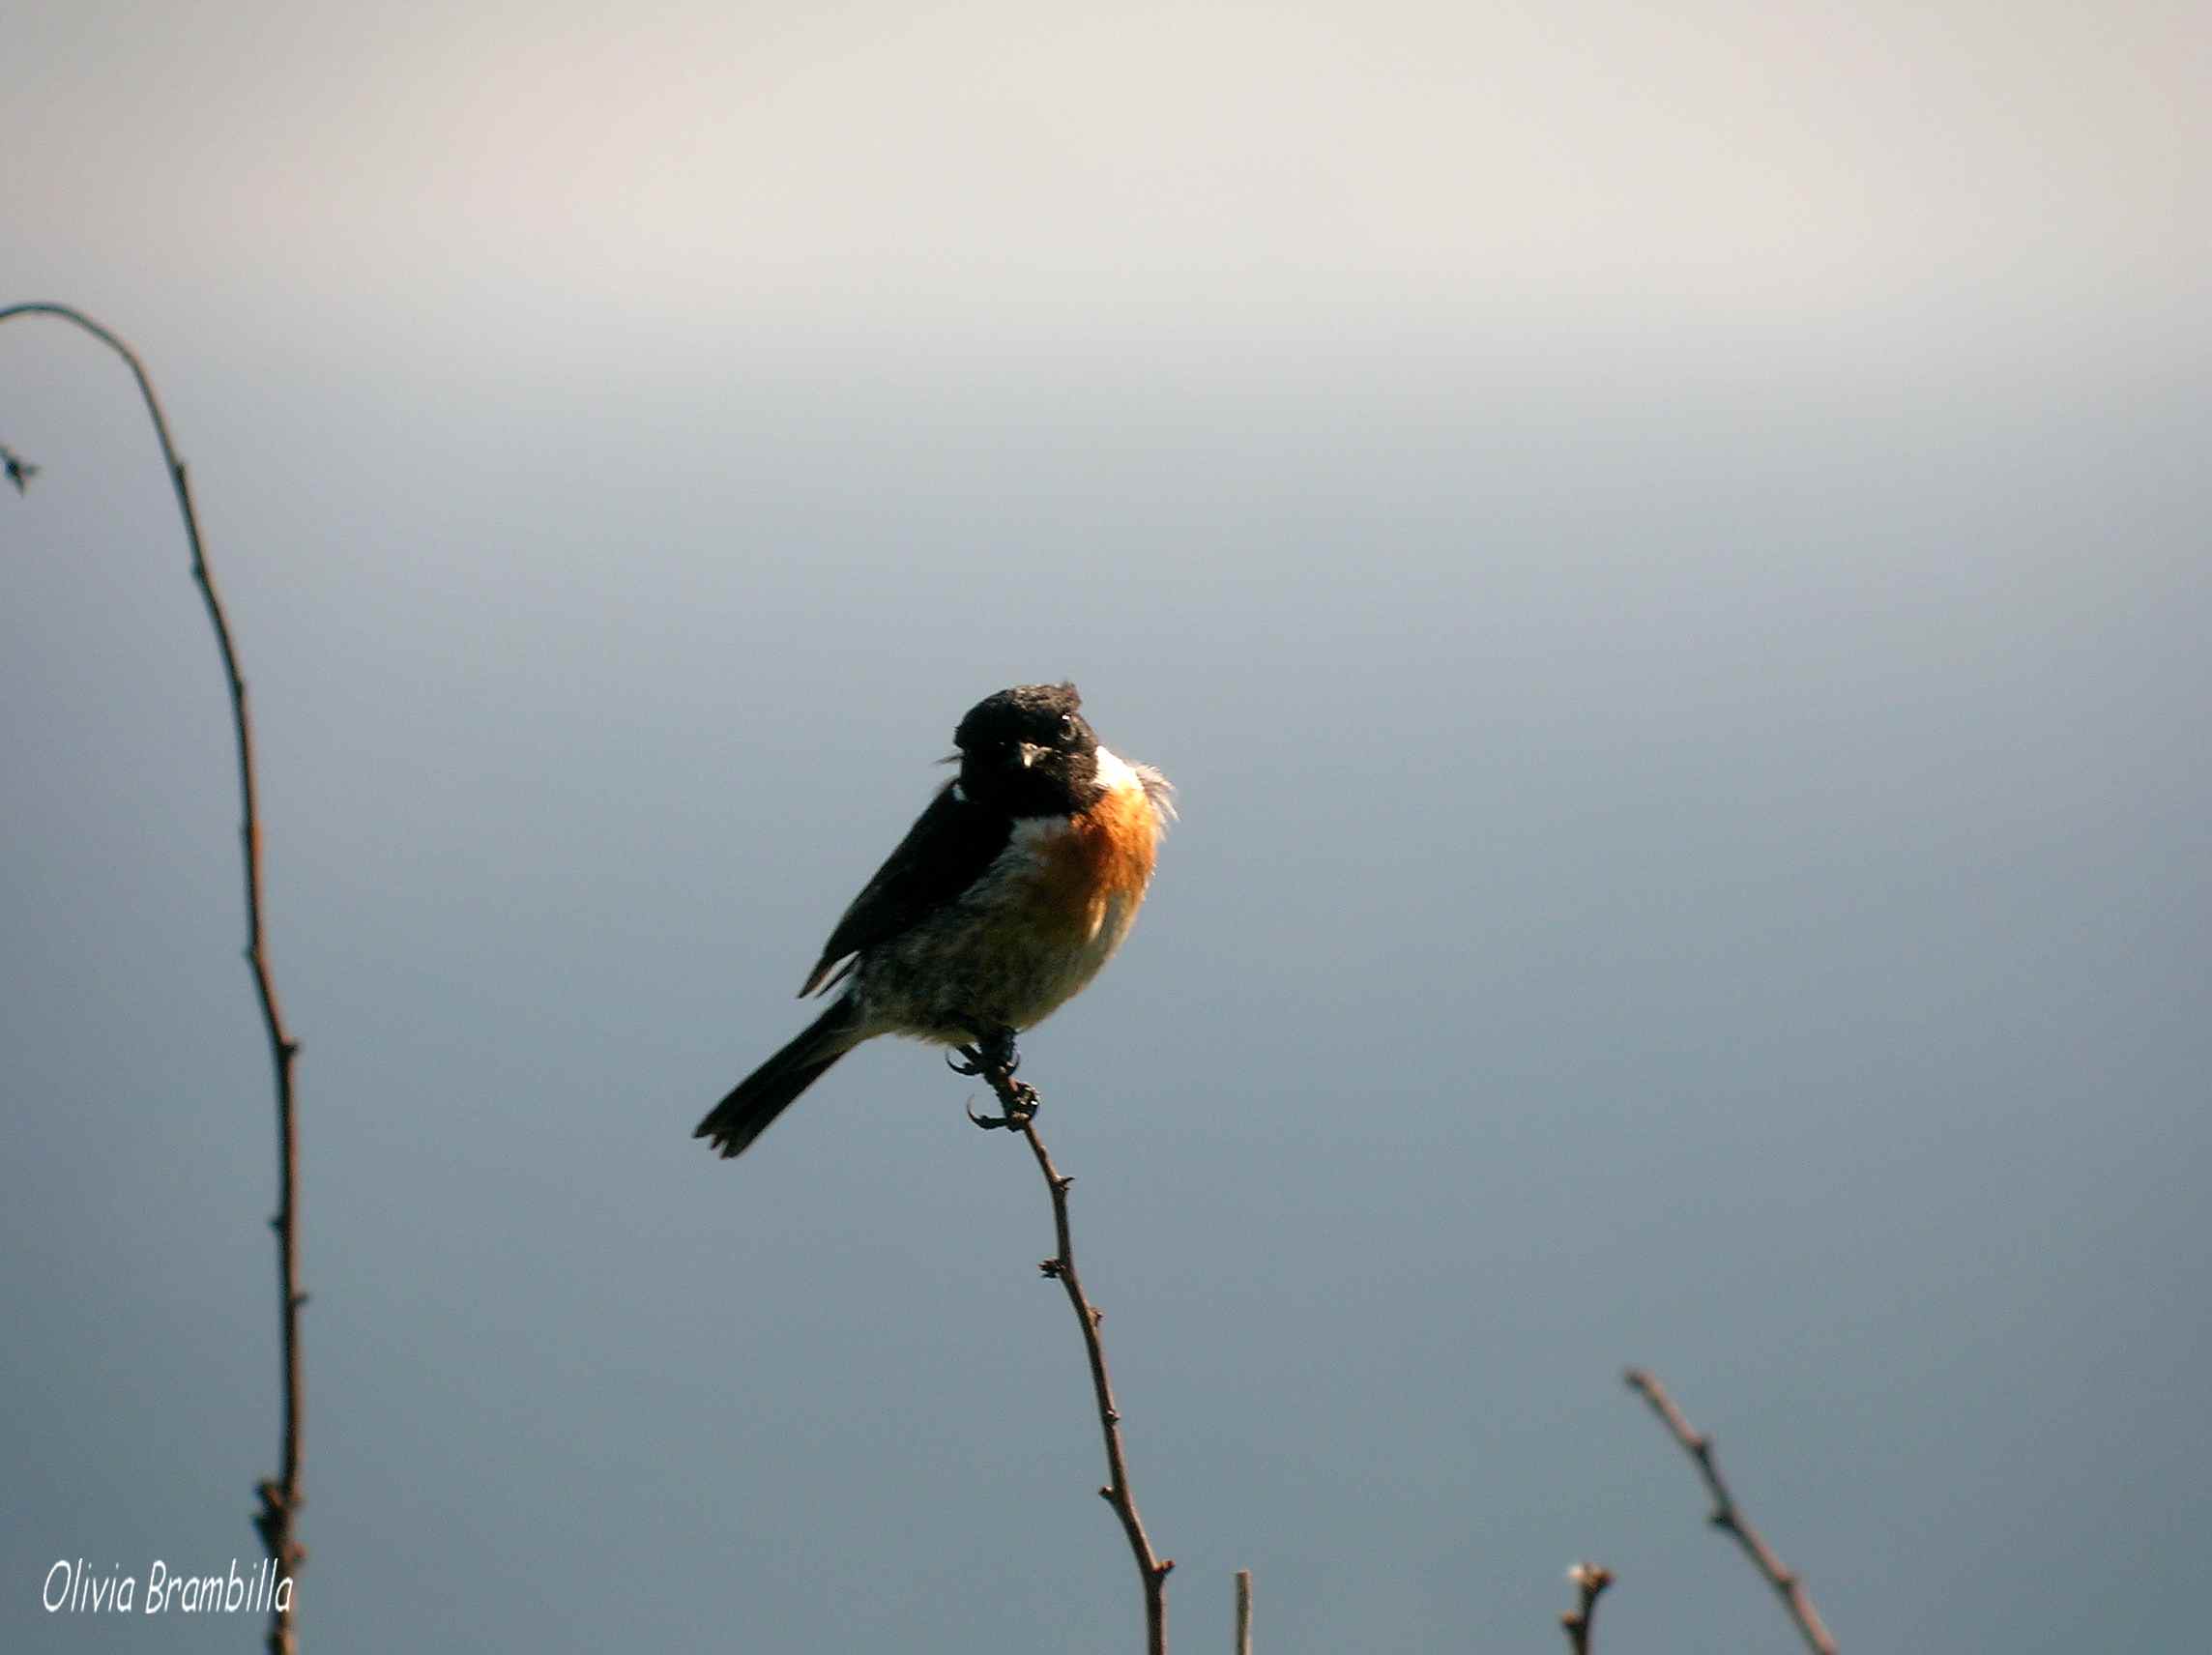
1095 873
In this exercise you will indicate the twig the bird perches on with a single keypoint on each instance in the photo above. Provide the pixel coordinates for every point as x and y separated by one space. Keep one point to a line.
1729 1520
1590 1581
1019 1100
1243 1611
280 1495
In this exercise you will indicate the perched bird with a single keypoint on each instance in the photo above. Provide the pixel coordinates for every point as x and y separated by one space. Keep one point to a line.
1000 903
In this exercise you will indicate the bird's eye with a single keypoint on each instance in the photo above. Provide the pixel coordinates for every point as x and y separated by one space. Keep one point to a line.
1068 726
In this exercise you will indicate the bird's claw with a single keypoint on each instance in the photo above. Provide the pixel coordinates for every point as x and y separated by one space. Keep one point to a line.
994 1049
993 1056
1020 1108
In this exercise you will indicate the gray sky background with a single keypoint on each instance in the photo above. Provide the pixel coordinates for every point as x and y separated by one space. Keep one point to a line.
1665 548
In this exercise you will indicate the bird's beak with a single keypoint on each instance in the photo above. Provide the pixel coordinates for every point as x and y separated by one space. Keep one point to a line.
1030 752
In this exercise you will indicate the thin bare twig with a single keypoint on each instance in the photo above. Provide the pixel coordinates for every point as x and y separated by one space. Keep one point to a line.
1019 1099
1243 1611
1590 1581
280 1495
1729 1521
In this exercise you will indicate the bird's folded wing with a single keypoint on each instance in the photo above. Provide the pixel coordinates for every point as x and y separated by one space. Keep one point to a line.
943 854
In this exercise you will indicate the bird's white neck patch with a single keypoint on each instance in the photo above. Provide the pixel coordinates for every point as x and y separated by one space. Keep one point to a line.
1114 773
1118 775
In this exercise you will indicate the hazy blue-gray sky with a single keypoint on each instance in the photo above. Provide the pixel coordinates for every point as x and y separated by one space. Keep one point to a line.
1665 548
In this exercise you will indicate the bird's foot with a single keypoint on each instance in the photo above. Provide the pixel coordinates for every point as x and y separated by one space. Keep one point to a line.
993 1057
994 1049
1022 1104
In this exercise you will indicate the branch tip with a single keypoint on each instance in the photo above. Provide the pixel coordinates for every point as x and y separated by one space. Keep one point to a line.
1788 1586
1589 1580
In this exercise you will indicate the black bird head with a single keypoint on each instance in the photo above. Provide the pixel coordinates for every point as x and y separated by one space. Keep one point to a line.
1027 751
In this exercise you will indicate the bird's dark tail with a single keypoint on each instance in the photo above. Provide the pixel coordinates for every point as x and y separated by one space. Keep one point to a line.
765 1093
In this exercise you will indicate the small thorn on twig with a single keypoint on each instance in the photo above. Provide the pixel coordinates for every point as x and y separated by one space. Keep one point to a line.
21 471
1049 1267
